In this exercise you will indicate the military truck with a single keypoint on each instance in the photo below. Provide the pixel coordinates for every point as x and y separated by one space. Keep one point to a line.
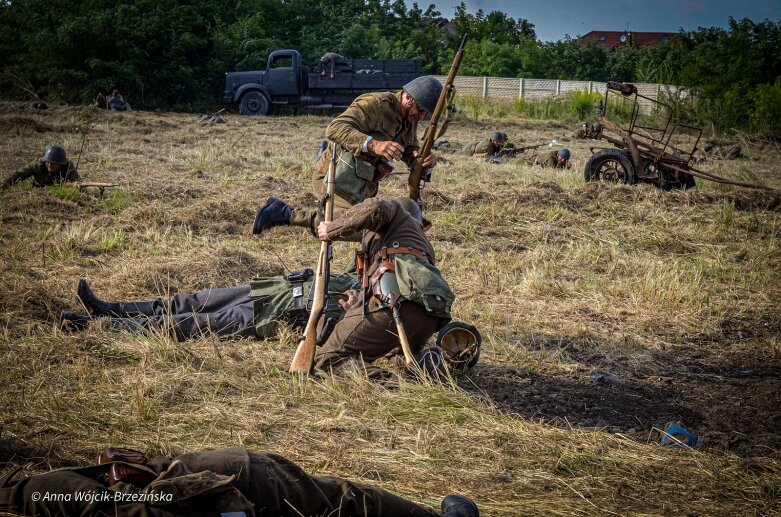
286 82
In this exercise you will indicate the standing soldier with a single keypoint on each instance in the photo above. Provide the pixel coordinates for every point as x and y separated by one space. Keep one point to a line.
53 168
489 147
374 130
402 281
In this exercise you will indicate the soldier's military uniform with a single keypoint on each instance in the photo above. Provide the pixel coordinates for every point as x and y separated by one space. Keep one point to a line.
549 160
231 481
378 115
482 148
395 243
248 310
41 176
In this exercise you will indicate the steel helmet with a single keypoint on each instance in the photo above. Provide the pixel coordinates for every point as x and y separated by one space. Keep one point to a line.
425 90
498 136
461 342
563 153
55 154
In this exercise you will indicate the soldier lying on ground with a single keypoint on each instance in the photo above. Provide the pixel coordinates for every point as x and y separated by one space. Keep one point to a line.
586 131
231 481
53 168
247 310
374 130
488 147
554 159
400 273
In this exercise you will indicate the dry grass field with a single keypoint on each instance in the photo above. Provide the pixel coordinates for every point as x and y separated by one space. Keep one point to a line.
606 311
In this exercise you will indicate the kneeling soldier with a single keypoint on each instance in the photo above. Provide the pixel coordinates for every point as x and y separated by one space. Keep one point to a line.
399 280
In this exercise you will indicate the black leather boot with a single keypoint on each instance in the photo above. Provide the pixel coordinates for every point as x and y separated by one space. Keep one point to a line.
274 213
93 304
73 321
459 506
98 307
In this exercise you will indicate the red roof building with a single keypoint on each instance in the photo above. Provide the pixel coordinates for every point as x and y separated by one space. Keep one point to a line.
612 39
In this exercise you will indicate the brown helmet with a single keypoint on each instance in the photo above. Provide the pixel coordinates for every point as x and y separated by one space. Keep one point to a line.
461 343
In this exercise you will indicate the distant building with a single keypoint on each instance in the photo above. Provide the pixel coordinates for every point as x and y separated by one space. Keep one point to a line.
612 39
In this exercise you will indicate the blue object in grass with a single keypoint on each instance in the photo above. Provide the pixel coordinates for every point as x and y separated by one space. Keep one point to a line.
676 434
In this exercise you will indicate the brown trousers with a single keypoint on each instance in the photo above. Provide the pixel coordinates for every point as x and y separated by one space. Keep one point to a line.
274 485
357 342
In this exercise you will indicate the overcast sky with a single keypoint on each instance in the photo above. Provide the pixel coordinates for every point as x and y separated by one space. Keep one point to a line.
553 19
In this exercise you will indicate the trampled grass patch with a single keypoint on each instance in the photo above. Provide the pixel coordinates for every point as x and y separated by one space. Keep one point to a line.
606 312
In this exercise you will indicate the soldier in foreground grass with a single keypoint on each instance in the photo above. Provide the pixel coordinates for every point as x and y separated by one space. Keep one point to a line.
254 309
51 169
399 273
233 482
374 130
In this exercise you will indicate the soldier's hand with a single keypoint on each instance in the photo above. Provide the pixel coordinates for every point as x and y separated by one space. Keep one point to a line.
352 298
429 162
388 149
322 231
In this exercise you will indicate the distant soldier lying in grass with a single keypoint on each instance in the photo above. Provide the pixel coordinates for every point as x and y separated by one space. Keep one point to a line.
53 168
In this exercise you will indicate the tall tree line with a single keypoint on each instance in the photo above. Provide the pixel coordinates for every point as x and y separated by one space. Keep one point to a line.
172 54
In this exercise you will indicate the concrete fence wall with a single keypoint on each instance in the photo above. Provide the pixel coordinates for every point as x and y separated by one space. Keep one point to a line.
510 89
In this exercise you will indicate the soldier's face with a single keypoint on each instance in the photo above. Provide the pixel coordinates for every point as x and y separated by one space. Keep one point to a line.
414 111
52 167
561 161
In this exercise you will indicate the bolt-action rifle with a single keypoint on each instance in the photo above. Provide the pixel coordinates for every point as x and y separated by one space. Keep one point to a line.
512 152
416 174
89 184
305 353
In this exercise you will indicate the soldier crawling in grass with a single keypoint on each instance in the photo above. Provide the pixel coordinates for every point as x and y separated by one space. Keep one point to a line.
487 147
374 130
225 482
52 168
552 159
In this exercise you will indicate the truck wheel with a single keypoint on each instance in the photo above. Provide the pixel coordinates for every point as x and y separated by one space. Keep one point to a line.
253 103
610 166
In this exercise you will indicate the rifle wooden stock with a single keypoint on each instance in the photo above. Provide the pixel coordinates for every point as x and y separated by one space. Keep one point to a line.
305 353
86 184
409 359
416 174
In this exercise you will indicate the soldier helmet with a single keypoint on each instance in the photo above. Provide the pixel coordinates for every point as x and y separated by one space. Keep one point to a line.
596 126
425 90
55 154
498 136
563 153
411 207
461 342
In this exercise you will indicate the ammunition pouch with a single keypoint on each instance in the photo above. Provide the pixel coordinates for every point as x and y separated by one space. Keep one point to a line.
138 476
354 178
125 455
298 314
